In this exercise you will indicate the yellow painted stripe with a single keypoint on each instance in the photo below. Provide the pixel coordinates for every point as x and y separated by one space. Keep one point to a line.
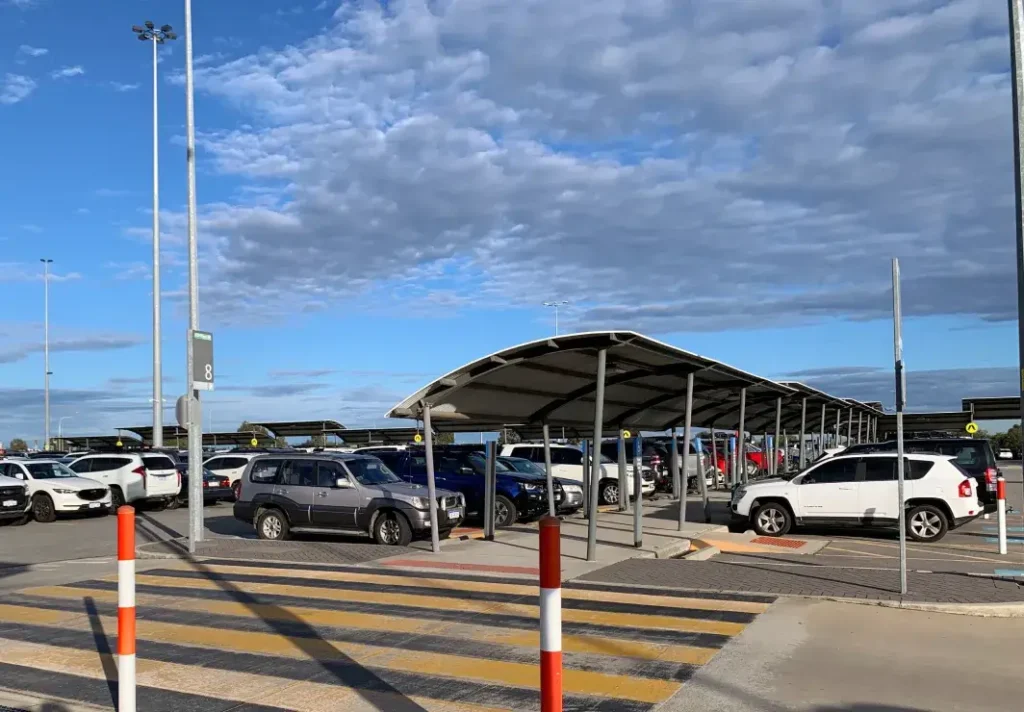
40 616
310 578
241 687
627 620
688 654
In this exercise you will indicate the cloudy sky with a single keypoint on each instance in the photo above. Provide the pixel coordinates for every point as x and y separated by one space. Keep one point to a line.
388 189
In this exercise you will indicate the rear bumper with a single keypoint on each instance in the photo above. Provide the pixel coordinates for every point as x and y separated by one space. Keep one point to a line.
217 494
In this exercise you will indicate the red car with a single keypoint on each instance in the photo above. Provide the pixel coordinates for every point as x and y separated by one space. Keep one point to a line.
755 459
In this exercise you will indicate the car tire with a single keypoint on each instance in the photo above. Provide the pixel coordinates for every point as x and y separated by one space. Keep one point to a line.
505 512
926 523
175 502
772 519
236 489
272 525
116 498
392 529
18 522
609 492
751 468
159 505
42 509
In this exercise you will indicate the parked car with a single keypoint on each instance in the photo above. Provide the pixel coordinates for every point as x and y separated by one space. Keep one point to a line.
520 495
54 489
338 492
567 463
132 477
230 465
568 494
14 501
974 456
216 488
861 490
1005 454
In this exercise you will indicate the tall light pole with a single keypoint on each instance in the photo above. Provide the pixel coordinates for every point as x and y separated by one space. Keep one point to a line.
561 303
1017 73
149 33
195 416
46 351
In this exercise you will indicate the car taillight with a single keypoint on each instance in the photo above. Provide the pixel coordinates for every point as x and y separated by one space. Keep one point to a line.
990 475
141 471
225 482
965 488
179 478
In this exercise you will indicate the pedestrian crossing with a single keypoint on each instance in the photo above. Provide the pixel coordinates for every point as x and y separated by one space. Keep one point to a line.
248 635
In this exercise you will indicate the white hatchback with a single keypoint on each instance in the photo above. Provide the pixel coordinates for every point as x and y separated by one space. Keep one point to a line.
54 489
861 490
132 477
231 465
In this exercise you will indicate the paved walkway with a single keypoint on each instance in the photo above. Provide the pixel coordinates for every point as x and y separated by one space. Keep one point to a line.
220 635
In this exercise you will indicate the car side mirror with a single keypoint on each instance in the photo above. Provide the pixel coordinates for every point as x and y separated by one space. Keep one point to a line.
343 483
467 471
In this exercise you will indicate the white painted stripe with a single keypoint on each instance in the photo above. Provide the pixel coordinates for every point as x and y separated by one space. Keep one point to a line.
551 620
126 584
125 683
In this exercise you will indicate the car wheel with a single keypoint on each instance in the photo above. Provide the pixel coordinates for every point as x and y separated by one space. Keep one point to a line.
609 492
160 505
272 525
392 529
505 512
43 509
20 521
772 519
116 498
752 468
175 502
926 523
236 489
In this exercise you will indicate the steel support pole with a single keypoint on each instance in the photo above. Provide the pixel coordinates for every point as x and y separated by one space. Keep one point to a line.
778 436
741 450
860 425
687 434
1016 15
489 490
674 467
547 468
714 457
638 492
595 479
195 411
849 427
585 445
623 479
158 400
428 439
901 396
785 451
803 432
839 417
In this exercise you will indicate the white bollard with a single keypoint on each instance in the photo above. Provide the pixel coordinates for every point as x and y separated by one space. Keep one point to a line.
126 609
1001 512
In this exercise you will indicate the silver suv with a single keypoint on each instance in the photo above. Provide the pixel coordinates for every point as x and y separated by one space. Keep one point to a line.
281 494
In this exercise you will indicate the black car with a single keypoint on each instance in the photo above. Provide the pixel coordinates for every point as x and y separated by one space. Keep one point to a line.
568 493
215 488
975 457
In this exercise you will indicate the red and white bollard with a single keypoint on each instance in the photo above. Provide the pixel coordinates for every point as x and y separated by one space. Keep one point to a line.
550 615
1001 512
126 609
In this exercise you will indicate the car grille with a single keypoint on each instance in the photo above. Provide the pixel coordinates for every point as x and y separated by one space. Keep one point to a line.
448 501
18 492
91 495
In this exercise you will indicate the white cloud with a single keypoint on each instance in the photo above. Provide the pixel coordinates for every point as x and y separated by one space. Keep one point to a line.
118 86
667 166
15 88
68 72
33 51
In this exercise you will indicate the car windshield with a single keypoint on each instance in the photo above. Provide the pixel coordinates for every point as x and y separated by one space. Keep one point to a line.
477 461
49 470
521 464
371 471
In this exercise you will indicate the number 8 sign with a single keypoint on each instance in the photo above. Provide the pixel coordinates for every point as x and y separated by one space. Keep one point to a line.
202 360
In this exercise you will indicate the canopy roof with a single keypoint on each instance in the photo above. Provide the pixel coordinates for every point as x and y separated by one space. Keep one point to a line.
86 442
949 422
171 433
301 428
235 438
1005 408
554 381
379 436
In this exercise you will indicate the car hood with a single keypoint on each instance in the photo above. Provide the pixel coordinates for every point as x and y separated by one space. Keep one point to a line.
772 482
405 489
75 483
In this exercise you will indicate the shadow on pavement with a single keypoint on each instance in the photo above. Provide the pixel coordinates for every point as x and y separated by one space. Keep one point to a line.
754 701
99 637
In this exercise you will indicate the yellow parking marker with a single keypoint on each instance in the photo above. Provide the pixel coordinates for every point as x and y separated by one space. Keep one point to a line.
686 654
41 616
310 579
241 687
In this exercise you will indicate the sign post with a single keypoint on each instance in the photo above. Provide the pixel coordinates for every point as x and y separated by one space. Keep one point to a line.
901 396
200 378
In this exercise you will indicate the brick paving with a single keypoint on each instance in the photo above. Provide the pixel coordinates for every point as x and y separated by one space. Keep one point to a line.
812 580
305 552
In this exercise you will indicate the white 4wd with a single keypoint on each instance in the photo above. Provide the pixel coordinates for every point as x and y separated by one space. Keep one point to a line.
861 490
567 462
54 489
230 465
131 476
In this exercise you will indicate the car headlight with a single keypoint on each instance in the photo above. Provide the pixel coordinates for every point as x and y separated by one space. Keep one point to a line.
737 494
532 488
63 491
420 502
574 489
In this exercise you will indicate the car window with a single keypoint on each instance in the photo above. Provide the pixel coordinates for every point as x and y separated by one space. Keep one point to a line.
104 464
157 462
217 463
266 472
327 473
299 473
371 471
972 455
49 470
878 469
566 456
832 472
81 465
916 469
13 470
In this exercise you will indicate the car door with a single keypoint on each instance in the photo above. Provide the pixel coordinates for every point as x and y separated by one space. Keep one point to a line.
877 489
296 489
567 462
829 491
333 506
461 472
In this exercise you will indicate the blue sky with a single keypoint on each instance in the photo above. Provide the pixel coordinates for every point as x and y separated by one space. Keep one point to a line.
387 192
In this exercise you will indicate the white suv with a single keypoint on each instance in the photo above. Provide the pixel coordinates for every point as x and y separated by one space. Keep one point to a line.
861 490
231 465
132 477
567 462
54 489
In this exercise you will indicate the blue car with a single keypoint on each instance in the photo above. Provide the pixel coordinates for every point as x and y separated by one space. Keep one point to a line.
520 495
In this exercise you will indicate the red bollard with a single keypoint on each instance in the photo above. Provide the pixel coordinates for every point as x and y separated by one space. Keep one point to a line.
550 615
126 609
1001 512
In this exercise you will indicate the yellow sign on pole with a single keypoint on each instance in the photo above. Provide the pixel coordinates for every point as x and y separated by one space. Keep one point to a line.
417 438
972 428
254 442
627 434
119 443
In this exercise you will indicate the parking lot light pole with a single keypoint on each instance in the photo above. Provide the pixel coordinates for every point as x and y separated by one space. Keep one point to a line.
428 439
901 396
1017 74
46 351
557 304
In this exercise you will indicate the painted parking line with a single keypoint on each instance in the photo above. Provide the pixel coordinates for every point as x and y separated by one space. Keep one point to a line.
1009 572
266 633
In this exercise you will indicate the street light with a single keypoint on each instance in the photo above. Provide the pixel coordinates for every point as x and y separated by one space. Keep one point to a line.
46 351
561 303
156 37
